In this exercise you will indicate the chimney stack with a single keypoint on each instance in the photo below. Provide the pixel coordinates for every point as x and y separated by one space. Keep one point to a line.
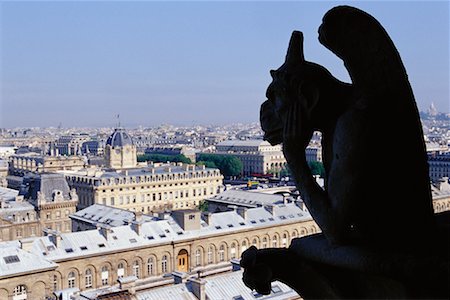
242 211
198 288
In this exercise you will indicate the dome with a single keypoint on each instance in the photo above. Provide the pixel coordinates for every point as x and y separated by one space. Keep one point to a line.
119 138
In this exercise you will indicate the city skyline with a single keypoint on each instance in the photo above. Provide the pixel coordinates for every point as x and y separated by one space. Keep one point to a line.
80 64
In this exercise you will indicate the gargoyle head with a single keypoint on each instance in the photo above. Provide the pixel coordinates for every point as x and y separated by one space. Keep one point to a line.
288 86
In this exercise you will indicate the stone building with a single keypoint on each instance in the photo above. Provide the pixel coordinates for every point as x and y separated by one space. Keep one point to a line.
43 203
120 151
439 165
52 199
257 156
185 242
18 218
20 164
71 144
154 188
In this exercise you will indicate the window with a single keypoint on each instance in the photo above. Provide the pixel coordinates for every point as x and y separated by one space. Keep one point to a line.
136 268
254 242
164 264
20 292
197 258
120 270
244 246
274 242
104 275
88 279
233 250
222 253
11 259
264 243
150 266
71 280
210 255
284 240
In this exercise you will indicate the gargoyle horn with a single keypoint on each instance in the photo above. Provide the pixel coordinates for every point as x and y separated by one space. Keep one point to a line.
295 55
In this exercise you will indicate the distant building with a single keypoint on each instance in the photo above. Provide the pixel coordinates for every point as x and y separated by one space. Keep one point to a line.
153 188
120 151
313 154
94 147
52 199
20 165
257 156
43 203
71 144
439 166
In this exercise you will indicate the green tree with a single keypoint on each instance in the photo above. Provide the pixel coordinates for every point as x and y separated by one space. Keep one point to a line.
163 158
317 168
227 164
203 206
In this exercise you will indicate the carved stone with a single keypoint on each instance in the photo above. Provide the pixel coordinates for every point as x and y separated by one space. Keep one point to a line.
379 230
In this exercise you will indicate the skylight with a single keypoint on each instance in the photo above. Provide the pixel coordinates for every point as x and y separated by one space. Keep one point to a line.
69 250
11 259
133 241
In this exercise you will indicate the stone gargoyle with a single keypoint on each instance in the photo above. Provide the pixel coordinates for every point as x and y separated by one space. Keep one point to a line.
380 237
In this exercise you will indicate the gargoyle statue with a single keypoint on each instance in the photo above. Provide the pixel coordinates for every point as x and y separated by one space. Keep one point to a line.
368 214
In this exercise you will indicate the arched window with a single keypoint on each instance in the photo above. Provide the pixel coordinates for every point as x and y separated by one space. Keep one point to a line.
294 234
233 250
136 268
210 255
244 246
20 292
71 280
104 275
222 253
150 266
164 264
198 260
264 243
274 241
88 279
254 242
284 240
120 270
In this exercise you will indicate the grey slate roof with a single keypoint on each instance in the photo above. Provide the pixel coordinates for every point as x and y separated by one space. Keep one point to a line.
46 183
119 138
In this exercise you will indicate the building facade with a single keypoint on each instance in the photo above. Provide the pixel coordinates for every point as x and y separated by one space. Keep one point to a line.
257 156
155 188
20 164
150 251
439 165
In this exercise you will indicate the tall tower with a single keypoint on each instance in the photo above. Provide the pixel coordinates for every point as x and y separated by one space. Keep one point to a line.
120 151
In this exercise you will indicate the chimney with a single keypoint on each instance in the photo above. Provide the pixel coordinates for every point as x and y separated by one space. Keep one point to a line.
443 184
26 244
198 288
128 283
19 199
207 217
232 207
236 264
242 211
301 205
271 209
104 231
179 277
55 238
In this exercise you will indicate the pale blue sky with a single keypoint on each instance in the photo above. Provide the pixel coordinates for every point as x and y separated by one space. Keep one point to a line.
81 63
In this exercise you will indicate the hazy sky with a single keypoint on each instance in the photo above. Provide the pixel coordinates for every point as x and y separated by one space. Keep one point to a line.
81 63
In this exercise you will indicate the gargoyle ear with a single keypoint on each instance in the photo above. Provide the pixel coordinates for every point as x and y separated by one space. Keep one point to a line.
295 55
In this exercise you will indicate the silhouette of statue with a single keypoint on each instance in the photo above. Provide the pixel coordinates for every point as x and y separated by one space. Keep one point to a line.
371 220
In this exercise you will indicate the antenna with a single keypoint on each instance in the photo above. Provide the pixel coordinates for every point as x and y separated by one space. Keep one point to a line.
118 120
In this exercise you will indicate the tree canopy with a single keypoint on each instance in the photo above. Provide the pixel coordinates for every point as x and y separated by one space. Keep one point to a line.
163 158
227 164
